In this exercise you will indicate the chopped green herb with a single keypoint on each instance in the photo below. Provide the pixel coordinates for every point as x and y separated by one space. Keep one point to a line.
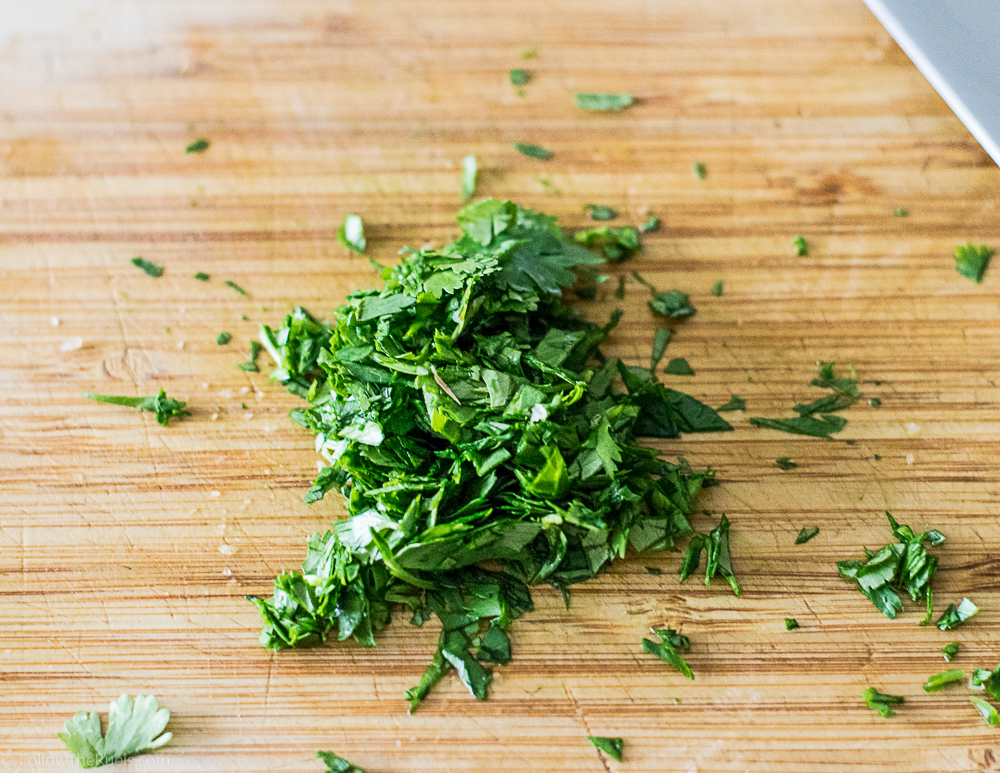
896 568
845 395
529 53
532 151
652 224
806 425
971 262
950 651
877 458
936 682
672 303
736 403
601 212
806 533
984 679
654 571
660 340
900 212
134 727
801 248
201 276
224 338
352 234
874 402
198 146
717 288
986 711
698 170
150 268
615 242
785 463
603 101
881 702
519 76
678 367
667 649
469 171
954 616
719 563
250 366
164 407
611 746
620 291
233 286
337 764
791 623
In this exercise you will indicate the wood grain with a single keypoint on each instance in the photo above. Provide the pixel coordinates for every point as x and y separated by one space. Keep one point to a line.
126 549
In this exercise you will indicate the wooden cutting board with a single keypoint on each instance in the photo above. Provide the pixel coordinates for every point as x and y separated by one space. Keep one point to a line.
126 549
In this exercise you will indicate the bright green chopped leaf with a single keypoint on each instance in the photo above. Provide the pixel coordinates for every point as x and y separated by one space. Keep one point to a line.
668 649
134 727
224 338
197 146
611 746
900 212
717 288
601 212
801 248
806 425
250 366
337 764
352 234
603 101
791 623
164 407
785 463
201 276
806 533
532 151
672 303
736 403
652 224
469 170
881 702
950 651
660 340
986 711
971 262
984 679
936 682
718 562
954 616
678 367
519 76
150 268
233 286
698 170
615 242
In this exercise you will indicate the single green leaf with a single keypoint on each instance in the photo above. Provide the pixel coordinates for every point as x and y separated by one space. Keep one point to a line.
600 102
972 262
881 702
785 463
223 338
736 403
611 746
600 212
954 616
661 338
801 248
164 407
352 234
337 764
150 268
950 651
197 146
134 727
233 286
804 425
698 170
938 681
806 534
668 649
791 623
519 76
717 288
900 212
250 366
201 276
672 303
532 151
678 367
654 571
469 171
651 224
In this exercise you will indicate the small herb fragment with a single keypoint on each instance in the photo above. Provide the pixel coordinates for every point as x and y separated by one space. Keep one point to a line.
150 268
874 402
615 242
678 367
250 366
986 711
653 570
134 727
984 679
806 533
698 170
224 338
667 649
950 651
801 248
736 403
785 463
164 407
791 623
469 171
672 303
652 224
954 616
718 561
519 76
971 262
601 212
900 212
620 290
352 234
201 276
337 764
845 395
233 286
660 340
717 288
881 702
611 746
198 146
603 101
938 681
532 151
808 425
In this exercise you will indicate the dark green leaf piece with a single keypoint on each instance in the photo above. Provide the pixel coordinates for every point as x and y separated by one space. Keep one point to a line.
668 649
678 367
233 286
736 403
250 366
791 623
954 616
660 340
938 681
532 151
804 425
806 534
801 248
337 764
718 561
201 276
164 407
698 170
972 262
223 338
601 212
197 146
717 288
785 463
651 224
672 303
611 746
654 571
950 651
150 268
519 76
881 702
601 102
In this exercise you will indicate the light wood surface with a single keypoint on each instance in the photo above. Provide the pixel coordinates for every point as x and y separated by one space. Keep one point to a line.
126 549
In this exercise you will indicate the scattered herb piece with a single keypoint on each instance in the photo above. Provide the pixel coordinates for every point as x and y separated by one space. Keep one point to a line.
881 702
971 262
660 340
900 212
532 151
785 463
600 212
801 248
529 53
352 234
233 286
654 571
469 171
615 242
984 679
877 458
652 224
806 533
337 764
950 651
611 746
620 292
164 407
936 682
678 367
845 395
791 623
198 146
672 303
201 276
807 425
896 568
667 649
150 268
224 338
550 189
874 402
134 727
519 76
986 711
603 101
718 559
717 288
736 403
698 170
954 616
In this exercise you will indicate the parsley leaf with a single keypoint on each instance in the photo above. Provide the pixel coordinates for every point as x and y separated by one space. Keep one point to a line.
672 303
845 395
533 151
936 682
698 170
250 366
352 234
233 286
806 425
603 101
954 616
150 268
900 212
198 146
164 407
337 764
134 727
736 403
660 341
654 571
469 171
806 534
801 248
785 463
615 242
791 623
717 288
983 678
986 711
223 338
972 262
881 702
667 649
519 76
611 746
201 276
718 562
652 224
678 367
950 651
600 212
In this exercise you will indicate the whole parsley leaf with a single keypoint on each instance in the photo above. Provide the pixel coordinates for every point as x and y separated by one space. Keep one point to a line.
337 764
134 727
668 649
613 747
198 146
150 268
532 151
881 702
352 234
469 171
972 262
602 102
164 407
